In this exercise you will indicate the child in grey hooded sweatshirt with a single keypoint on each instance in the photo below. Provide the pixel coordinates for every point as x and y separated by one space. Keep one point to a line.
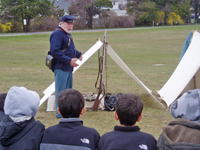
18 129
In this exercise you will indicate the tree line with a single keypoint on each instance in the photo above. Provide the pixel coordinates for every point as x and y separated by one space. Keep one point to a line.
41 15
146 11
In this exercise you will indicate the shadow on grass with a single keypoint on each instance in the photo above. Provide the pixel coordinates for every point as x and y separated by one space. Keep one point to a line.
150 102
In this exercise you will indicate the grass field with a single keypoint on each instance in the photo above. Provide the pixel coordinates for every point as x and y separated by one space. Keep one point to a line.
22 63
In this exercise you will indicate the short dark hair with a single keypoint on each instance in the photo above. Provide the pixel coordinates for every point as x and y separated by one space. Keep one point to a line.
129 108
2 100
70 103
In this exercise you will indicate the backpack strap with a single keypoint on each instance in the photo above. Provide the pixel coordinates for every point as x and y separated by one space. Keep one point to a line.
65 48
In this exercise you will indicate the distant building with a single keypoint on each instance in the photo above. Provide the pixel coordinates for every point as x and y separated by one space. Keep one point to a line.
115 4
62 4
116 9
65 4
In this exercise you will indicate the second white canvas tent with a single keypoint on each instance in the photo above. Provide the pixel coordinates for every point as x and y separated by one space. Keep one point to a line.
186 75
51 89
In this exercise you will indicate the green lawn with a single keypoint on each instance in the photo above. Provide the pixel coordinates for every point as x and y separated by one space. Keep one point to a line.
22 63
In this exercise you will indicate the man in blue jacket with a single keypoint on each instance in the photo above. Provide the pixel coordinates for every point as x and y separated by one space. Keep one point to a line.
63 50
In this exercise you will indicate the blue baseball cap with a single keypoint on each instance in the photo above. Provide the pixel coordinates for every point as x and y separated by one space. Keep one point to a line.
187 106
67 18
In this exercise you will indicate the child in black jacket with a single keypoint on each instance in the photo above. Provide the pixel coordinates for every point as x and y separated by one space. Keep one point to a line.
127 136
70 133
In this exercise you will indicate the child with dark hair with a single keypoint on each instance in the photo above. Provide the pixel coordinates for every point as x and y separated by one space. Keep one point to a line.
127 136
2 100
70 133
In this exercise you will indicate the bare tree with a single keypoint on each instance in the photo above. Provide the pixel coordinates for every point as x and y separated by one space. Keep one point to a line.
85 10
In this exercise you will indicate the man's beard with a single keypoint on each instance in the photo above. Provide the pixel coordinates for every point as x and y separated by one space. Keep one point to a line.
68 30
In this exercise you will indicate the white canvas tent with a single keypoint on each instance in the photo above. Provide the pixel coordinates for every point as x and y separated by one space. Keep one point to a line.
186 75
124 67
51 89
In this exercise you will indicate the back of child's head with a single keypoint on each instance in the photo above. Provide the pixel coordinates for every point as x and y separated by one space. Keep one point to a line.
129 108
2 100
21 102
70 103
